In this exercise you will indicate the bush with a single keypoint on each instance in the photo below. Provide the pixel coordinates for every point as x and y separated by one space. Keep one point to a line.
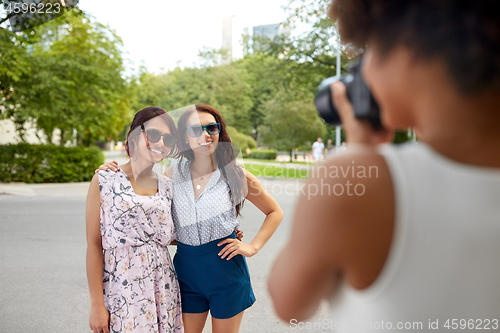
48 163
264 154
401 137
242 140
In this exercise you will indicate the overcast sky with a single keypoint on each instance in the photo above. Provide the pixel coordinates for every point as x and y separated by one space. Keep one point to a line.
165 32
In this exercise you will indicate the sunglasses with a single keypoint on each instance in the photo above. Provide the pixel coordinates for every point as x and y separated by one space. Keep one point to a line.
154 136
197 130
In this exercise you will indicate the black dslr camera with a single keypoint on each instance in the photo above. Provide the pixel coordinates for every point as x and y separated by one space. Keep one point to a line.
358 93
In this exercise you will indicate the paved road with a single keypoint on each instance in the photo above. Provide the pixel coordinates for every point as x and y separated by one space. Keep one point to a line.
43 284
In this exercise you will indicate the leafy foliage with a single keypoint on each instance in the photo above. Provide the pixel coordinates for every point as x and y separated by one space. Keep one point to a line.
266 73
224 87
264 154
48 163
243 141
290 121
67 74
310 53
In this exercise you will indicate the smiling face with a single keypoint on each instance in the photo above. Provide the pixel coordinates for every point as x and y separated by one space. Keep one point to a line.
205 144
150 151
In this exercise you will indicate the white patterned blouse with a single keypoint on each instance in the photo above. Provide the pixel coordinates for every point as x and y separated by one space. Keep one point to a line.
210 217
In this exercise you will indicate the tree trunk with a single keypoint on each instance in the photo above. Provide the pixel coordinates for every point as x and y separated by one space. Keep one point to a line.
62 141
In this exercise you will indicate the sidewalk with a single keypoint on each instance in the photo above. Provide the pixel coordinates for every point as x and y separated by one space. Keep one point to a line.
46 190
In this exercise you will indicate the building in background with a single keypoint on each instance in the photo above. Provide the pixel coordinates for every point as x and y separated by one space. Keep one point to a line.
263 34
8 134
239 41
227 38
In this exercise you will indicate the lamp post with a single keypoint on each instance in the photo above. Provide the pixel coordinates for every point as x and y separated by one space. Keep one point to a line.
338 129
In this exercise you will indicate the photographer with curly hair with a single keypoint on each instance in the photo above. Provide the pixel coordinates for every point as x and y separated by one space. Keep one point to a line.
420 245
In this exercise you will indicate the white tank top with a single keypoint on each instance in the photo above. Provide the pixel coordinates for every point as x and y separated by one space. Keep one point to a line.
444 263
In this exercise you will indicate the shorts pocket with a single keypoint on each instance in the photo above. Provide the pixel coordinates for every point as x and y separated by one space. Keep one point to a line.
239 262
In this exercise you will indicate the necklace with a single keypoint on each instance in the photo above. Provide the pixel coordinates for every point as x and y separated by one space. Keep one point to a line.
201 178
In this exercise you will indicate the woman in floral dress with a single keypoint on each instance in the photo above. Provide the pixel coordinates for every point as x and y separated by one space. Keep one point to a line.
132 282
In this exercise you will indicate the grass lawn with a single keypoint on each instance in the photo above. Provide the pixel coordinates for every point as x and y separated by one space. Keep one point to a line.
262 170
253 160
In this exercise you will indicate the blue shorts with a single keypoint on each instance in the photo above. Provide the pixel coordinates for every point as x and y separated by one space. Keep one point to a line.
208 282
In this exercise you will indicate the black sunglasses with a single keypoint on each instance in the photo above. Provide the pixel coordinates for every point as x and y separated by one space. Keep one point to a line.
154 136
197 130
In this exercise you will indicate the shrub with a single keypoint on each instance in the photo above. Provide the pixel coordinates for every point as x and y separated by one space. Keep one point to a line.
264 154
242 140
48 163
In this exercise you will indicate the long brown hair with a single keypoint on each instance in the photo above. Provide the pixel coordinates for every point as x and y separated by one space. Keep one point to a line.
225 155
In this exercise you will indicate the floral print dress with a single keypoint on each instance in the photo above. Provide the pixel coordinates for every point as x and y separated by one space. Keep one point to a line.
141 290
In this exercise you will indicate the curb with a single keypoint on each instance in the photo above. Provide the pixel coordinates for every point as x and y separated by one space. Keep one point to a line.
45 190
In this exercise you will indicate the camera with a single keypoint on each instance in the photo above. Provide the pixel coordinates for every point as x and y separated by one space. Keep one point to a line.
358 93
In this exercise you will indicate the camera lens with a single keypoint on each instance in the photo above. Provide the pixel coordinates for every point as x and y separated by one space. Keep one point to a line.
324 103
358 93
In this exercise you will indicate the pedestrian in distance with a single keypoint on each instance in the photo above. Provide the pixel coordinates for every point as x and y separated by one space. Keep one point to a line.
329 148
317 150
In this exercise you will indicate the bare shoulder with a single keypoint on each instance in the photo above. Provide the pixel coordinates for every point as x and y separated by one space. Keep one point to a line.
94 187
353 178
360 174
349 203
169 173
95 179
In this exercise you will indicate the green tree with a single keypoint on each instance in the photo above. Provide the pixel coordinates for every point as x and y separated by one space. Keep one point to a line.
265 74
71 79
14 65
241 140
291 121
310 52
224 87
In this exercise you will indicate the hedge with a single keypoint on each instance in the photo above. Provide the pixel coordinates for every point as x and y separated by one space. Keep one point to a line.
242 140
263 154
48 163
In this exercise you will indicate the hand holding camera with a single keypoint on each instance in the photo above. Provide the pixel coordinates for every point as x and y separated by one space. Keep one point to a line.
357 131
348 101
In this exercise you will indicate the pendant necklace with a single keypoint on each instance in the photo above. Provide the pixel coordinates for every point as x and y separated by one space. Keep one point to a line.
201 178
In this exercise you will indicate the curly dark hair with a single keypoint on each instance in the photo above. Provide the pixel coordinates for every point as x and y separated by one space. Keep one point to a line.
464 33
